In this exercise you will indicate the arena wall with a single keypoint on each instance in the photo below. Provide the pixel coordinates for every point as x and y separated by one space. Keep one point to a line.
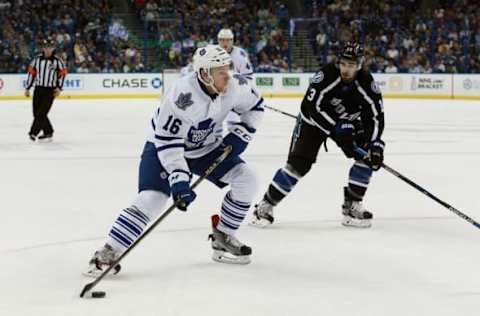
152 85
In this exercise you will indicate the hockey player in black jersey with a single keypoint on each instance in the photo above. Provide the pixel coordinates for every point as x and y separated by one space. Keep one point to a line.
343 103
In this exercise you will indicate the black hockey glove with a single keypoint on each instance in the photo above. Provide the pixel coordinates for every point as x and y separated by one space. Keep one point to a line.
343 135
375 154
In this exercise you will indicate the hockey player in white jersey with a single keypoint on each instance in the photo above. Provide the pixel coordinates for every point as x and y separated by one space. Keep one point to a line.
240 60
184 138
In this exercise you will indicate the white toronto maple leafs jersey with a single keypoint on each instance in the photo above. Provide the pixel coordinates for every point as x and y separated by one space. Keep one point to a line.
188 122
241 62
188 69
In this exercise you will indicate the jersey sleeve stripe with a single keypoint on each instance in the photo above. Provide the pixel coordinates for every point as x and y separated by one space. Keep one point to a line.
312 122
374 110
258 106
327 118
328 88
367 98
321 120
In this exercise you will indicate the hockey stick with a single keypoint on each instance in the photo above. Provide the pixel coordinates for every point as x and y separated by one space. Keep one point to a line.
397 174
209 170
280 111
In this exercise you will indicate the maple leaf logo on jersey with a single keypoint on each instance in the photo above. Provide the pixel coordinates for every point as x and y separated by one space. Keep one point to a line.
241 79
184 101
197 135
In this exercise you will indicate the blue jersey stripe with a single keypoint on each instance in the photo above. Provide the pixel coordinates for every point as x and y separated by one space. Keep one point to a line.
135 210
238 203
170 146
129 225
136 216
121 238
130 222
258 106
228 224
167 138
231 214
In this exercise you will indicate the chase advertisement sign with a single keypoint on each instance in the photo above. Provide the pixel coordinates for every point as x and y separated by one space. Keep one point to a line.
156 83
132 83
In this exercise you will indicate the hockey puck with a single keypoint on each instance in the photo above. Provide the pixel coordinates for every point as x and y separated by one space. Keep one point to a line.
99 294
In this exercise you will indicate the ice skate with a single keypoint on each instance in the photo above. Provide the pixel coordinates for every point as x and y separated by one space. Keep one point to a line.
45 138
262 215
227 248
354 214
101 260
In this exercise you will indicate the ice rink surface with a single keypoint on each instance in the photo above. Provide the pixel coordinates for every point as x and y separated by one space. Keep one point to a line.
59 199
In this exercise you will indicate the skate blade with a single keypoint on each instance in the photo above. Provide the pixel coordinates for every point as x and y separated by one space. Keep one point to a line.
357 223
221 256
45 140
94 272
260 223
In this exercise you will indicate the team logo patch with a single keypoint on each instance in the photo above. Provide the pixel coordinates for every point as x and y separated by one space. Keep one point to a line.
318 77
335 101
241 79
184 101
197 135
375 87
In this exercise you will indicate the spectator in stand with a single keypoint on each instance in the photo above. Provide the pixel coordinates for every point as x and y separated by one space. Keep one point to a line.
400 30
391 68
254 22
80 29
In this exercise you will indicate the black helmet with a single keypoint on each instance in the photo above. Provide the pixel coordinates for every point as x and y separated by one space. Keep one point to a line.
352 51
47 42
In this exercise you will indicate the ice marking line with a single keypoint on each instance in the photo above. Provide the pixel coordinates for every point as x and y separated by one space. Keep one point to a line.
205 227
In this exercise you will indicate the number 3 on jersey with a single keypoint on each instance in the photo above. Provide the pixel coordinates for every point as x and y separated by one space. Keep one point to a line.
172 125
311 94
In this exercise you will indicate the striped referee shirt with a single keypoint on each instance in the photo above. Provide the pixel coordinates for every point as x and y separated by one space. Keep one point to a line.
46 72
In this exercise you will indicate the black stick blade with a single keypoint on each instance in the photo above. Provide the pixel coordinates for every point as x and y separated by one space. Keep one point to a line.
87 288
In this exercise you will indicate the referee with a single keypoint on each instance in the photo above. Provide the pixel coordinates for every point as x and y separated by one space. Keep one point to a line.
47 72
